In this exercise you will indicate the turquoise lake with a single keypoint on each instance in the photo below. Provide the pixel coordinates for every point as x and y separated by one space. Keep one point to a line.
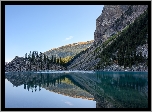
76 89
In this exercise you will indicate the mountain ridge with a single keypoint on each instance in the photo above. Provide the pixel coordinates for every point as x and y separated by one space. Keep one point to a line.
69 50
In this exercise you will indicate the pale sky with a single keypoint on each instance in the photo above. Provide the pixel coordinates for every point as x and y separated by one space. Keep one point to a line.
43 27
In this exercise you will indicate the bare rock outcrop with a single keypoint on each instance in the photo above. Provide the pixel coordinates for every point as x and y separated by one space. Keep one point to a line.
115 18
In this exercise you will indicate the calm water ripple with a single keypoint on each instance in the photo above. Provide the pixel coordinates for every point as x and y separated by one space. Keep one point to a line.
76 89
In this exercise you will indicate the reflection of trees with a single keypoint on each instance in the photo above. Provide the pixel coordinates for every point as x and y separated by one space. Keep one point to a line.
33 80
114 89
24 86
108 89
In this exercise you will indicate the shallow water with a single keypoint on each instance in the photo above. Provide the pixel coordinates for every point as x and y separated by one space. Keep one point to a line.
76 89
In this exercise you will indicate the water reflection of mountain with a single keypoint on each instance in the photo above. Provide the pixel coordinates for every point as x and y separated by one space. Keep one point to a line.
112 90
109 90
57 83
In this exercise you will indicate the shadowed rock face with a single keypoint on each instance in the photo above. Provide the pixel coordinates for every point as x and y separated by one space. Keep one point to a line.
114 18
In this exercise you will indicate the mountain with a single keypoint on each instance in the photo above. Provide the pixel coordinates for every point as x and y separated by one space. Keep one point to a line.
121 30
120 44
69 50
53 59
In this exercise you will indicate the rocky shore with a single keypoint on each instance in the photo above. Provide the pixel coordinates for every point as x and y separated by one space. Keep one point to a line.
141 68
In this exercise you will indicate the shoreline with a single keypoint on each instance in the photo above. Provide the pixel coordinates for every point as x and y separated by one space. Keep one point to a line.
73 71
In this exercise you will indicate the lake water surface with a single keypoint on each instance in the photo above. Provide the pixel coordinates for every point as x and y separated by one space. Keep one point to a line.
76 89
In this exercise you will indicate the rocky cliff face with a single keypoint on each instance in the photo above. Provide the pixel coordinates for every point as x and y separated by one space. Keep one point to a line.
114 18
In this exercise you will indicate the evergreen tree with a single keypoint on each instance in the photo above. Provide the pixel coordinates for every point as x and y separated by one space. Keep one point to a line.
37 55
60 61
41 60
48 62
52 59
33 57
44 58
57 60
26 56
30 54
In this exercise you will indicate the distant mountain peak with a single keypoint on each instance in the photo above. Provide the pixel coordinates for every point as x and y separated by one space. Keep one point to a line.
69 50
